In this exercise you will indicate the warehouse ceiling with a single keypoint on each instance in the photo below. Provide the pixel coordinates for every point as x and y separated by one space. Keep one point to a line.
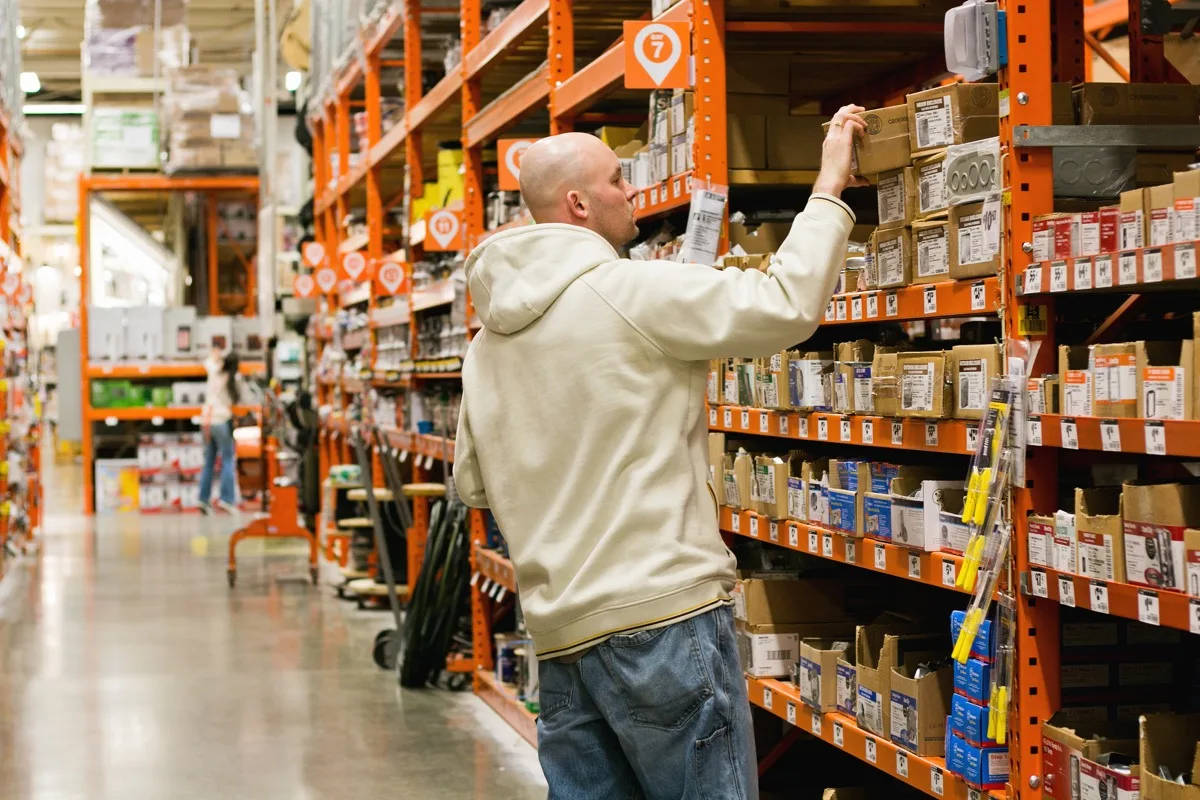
222 33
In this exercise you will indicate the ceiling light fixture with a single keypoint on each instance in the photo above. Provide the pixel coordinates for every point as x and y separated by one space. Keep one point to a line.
22 31
292 80
30 83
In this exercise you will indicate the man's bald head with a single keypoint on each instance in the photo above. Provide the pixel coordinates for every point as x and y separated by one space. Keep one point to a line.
574 178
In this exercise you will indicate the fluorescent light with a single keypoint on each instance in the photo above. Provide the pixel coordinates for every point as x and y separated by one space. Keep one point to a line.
30 82
22 31
292 80
52 109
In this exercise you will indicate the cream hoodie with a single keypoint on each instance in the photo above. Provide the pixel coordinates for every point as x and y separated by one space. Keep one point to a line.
583 423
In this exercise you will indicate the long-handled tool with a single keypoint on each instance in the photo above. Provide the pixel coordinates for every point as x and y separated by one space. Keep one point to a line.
387 643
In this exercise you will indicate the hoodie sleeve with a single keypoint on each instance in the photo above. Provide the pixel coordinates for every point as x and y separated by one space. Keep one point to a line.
696 313
468 481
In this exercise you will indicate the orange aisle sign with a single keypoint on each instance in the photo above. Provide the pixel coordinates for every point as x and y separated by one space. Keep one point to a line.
326 279
444 230
313 253
390 276
657 55
354 264
510 152
304 285
12 282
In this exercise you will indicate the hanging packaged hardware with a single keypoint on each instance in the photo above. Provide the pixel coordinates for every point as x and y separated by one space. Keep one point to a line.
1002 670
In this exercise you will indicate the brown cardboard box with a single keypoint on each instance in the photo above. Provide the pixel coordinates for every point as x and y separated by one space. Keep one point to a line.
893 257
761 104
885 145
817 670
1191 554
1066 746
1164 389
1155 517
974 366
1152 168
1062 105
953 114
896 194
1077 397
930 175
782 601
1186 202
1160 203
1115 379
743 476
1133 220
917 718
747 135
924 388
1136 104
794 142
1169 740
1195 364
877 649
757 73
770 651
1099 532
885 384
931 251
770 475
971 254
765 237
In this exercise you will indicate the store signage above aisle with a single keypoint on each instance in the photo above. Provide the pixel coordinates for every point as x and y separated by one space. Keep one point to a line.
304 286
510 152
444 230
326 279
313 253
658 55
354 265
390 277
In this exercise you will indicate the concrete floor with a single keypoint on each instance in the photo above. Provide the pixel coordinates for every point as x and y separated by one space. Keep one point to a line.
129 670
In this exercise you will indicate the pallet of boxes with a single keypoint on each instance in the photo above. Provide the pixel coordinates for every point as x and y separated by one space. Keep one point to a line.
207 130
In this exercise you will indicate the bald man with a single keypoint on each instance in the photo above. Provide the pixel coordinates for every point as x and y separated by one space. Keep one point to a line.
583 428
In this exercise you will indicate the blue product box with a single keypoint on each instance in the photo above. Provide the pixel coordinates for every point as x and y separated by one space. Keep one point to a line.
847 476
877 509
969 720
984 646
843 512
796 499
986 767
956 754
904 721
973 679
847 689
882 474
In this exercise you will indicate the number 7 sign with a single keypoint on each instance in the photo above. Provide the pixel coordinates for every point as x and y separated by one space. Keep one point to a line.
657 55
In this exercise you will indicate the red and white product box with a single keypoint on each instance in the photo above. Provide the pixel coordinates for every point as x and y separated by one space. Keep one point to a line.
1066 236
1089 233
1077 393
1110 229
1132 228
1186 227
1154 554
1191 545
1098 782
1160 226
1164 392
1043 239
1041 538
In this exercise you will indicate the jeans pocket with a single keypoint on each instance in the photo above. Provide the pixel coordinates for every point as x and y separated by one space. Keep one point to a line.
714 768
556 689
660 674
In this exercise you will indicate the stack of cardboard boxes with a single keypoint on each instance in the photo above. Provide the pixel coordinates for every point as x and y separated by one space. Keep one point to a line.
663 146
169 466
970 751
764 130
203 114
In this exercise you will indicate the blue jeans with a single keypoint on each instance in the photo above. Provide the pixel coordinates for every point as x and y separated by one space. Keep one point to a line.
220 438
656 714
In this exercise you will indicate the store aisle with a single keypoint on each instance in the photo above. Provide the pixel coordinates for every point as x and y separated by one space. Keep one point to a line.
128 669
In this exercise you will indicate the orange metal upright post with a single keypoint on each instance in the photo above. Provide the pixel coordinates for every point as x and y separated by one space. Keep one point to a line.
375 223
562 57
412 95
708 32
471 104
85 296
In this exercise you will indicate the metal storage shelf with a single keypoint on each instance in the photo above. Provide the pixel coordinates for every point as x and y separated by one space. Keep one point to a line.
936 436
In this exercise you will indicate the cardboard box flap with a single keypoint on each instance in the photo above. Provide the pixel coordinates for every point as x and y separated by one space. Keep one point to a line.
1168 740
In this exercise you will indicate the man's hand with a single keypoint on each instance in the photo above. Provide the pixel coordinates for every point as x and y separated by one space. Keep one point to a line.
838 152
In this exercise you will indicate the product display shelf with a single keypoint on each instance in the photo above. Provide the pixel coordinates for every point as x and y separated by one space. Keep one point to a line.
1140 269
496 568
929 301
503 700
924 773
1160 607
933 569
1134 435
429 446
672 194
159 413
937 436
180 369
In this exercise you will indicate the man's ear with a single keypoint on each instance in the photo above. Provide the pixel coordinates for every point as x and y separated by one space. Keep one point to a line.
577 205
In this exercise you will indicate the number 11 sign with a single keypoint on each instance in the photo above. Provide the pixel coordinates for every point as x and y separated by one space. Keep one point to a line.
657 55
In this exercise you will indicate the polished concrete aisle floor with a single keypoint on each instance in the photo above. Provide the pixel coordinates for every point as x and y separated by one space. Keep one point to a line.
129 670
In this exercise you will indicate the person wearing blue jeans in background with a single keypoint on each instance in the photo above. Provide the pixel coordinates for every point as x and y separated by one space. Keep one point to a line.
583 428
220 396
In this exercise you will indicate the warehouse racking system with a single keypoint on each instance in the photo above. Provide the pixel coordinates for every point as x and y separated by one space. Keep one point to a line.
554 66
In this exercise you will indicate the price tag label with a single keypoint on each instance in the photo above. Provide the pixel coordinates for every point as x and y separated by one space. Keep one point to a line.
830 311
736 521
768 697
745 419
764 422
1110 435
1033 280
773 531
1194 616
880 557
1148 607
803 427
791 713
897 433
856 307
871 750
1156 439
156 421
1127 268
812 541
1070 435
978 296
1152 266
815 724
1098 595
868 431
931 434
783 425
872 305
754 526
110 422
972 438
793 536
949 573
841 309
1058 276
1066 591
1034 430
902 763
839 735
827 545
937 781
712 417
851 552
891 305
1185 261
823 429
929 300
974 794
845 430
727 417
654 195
1038 583
1104 272
1083 274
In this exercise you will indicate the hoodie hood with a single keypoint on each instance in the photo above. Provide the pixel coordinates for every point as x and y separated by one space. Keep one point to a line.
516 275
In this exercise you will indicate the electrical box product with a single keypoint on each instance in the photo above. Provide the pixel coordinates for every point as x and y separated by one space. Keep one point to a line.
106 333
144 333
248 341
179 333
214 333
973 41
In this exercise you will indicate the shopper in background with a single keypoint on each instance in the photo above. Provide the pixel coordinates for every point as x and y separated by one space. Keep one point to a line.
583 427
220 396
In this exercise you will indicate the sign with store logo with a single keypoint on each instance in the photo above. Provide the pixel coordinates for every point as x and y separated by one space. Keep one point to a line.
326 279
313 253
390 276
444 230
304 286
657 55
354 264
509 152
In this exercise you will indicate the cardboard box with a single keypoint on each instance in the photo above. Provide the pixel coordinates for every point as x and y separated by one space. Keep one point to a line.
747 134
797 491
915 509
767 654
816 482
1160 208
969 720
809 379
716 463
1191 551
124 137
1170 741
924 389
1066 747
794 142
847 685
974 366
885 145
919 706
817 672
1155 517
765 237
743 477
1064 543
848 483
973 252
953 114
1075 374
757 73
762 104
1133 231
1110 229
877 649
771 475
1115 378
931 248
892 250
783 601
1099 531
1164 384
896 196
1185 196
683 107
1135 104
1151 168
1040 540
930 175
885 384
985 767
